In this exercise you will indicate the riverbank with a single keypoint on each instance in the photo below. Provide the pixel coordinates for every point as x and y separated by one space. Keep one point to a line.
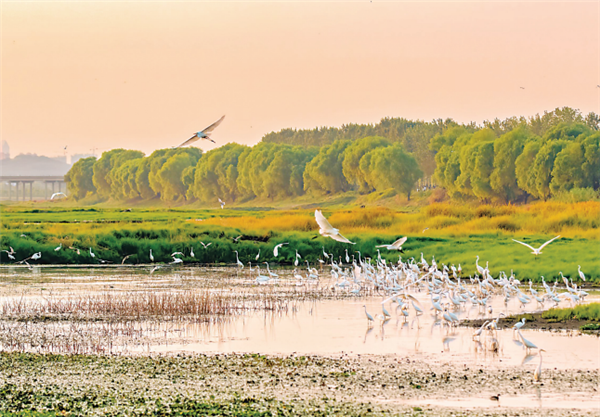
252 384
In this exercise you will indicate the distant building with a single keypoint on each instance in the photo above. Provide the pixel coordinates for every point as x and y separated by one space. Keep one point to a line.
76 157
5 153
62 159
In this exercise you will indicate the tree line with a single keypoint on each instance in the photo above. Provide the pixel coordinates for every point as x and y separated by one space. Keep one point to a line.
505 160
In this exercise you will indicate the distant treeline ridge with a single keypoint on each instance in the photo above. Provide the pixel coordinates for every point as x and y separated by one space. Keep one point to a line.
507 160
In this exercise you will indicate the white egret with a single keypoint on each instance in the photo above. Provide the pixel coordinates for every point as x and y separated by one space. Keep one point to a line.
56 195
75 249
527 343
537 251
271 274
519 324
92 254
206 245
581 275
537 375
369 317
258 254
151 256
203 134
327 230
478 332
237 260
235 239
59 247
221 202
125 258
277 247
177 253
175 261
347 257
10 255
192 253
397 245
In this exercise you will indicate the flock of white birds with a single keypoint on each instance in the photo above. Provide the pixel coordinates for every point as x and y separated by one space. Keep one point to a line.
448 290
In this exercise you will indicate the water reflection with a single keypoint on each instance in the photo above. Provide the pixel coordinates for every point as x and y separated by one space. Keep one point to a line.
326 326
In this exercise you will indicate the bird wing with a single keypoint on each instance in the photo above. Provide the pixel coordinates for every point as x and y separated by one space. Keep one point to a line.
548 242
190 140
525 244
399 242
322 221
341 238
211 127
381 246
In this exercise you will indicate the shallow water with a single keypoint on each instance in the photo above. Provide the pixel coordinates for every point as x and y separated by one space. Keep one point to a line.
327 326
539 400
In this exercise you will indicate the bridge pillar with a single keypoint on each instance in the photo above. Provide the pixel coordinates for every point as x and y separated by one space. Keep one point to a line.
9 191
45 190
31 191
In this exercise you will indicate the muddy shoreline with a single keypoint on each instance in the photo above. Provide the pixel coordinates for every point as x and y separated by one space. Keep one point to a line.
534 321
317 385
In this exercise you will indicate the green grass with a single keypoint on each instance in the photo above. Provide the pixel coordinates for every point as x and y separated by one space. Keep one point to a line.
586 312
456 235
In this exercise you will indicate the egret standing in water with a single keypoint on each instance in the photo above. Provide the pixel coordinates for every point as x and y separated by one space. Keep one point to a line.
537 376
151 256
369 317
237 259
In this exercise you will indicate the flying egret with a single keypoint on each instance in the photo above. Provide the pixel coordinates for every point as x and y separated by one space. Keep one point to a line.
203 134
221 202
235 239
206 245
125 258
10 255
177 253
277 247
397 245
56 195
537 375
175 261
75 249
327 230
581 275
537 251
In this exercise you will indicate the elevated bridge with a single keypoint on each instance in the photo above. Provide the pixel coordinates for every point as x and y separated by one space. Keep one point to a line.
20 182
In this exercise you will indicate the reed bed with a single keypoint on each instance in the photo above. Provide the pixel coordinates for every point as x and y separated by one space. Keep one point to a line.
111 306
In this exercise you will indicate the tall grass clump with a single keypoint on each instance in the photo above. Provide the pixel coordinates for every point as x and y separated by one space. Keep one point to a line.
589 312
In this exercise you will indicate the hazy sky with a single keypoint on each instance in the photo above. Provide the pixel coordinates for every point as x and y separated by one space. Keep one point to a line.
146 75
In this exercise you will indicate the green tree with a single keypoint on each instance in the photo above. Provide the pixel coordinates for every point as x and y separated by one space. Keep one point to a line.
543 166
524 167
216 174
507 149
106 164
324 174
170 174
79 178
391 167
567 171
352 157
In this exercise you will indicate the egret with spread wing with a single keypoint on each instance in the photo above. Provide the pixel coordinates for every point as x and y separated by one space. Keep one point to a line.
397 245
203 134
327 230
537 251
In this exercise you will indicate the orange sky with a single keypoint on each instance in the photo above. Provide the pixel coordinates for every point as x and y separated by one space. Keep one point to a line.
146 75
